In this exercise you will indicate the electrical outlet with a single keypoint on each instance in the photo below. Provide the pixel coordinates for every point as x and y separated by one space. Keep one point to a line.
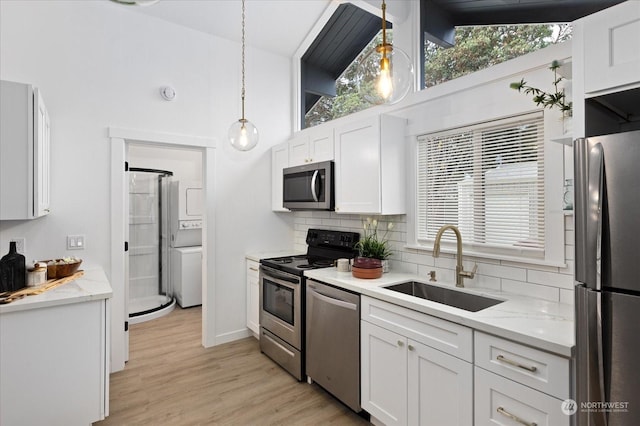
75 242
21 244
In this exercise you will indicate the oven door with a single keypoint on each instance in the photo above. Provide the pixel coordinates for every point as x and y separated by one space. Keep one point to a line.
280 305
308 187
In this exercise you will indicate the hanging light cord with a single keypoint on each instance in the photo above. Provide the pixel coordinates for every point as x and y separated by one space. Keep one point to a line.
243 47
384 23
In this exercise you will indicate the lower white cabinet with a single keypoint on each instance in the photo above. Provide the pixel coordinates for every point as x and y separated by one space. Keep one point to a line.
500 401
54 364
253 297
440 391
408 382
383 368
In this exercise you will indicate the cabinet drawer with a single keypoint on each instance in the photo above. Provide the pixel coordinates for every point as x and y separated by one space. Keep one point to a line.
540 370
440 334
252 268
500 401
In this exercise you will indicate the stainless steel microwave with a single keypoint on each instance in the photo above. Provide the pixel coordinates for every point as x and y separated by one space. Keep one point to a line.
308 187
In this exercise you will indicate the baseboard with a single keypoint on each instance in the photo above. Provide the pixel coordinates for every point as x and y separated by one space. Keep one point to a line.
232 336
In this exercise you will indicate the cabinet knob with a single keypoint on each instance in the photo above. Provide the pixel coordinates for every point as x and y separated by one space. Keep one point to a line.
410 347
400 343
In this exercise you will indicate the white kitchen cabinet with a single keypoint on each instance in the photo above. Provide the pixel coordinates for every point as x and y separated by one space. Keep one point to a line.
279 160
612 48
24 152
311 145
383 367
54 364
253 297
440 390
405 379
500 401
517 380
546 372
370 166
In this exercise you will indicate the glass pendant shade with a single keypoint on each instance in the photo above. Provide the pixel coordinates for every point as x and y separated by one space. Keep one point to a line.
243 135
385 75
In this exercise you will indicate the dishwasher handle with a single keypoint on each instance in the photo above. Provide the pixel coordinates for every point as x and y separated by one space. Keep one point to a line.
333 300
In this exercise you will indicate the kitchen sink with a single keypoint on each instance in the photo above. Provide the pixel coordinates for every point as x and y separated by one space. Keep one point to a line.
457 299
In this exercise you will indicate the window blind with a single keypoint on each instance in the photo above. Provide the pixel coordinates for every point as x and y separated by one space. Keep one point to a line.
488 180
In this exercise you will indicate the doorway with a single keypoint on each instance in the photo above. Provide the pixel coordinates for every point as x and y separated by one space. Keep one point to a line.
121 141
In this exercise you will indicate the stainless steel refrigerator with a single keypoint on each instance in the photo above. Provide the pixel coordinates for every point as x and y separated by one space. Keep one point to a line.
607 227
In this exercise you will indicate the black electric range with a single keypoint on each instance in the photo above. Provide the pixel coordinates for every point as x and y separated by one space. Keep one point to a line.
324 247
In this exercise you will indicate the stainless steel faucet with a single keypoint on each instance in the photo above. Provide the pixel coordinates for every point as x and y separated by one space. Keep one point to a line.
461 274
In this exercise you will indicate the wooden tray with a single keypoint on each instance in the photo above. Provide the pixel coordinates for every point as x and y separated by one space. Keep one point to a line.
8 297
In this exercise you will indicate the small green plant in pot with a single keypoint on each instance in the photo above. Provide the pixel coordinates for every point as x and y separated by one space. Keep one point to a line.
557 99
372 251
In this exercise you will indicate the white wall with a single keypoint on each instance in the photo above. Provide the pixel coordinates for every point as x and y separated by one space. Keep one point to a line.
99 65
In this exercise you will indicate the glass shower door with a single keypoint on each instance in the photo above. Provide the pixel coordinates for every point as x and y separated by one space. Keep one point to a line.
149 284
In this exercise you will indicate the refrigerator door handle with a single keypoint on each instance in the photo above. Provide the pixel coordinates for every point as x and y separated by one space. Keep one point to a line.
600 354
589 355
594 215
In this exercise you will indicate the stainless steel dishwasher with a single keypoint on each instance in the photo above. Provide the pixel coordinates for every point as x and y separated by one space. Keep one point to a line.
333 341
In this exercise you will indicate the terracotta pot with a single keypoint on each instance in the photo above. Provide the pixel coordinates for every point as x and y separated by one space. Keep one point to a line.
366 273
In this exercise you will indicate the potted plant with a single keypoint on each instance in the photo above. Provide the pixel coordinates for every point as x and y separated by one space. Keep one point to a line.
372 251
557 99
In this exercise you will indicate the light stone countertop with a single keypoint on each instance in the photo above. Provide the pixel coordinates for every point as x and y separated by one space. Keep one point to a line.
93 285
535 322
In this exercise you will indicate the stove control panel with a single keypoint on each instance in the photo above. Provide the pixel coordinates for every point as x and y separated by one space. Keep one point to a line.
325 237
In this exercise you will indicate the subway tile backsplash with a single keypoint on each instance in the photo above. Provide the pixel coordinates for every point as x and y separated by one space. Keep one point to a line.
542 282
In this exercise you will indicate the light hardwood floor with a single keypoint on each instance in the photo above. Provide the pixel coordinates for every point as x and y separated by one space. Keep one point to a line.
170 379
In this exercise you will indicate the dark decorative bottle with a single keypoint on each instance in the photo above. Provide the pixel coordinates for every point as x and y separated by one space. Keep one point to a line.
13 270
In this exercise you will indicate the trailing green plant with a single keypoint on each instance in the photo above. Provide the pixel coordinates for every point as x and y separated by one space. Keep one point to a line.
371 245
547 100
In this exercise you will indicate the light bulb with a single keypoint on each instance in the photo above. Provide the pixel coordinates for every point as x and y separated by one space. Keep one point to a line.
243 135
243 141
384 85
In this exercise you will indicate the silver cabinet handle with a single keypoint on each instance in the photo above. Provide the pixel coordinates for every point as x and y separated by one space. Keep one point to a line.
253 269
515 418
400 343
531 368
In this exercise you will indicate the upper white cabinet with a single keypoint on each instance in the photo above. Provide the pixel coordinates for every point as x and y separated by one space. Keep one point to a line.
311 146
24 152
370 166
279 160
612 48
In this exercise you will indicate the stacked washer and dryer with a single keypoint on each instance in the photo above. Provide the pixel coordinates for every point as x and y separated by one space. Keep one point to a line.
186 242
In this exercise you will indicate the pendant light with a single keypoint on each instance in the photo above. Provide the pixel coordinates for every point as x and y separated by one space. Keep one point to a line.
385 75
243 135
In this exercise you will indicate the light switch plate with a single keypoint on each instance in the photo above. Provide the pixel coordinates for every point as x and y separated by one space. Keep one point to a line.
75 242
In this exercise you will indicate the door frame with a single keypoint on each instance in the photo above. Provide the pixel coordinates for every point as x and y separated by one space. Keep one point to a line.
119 138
